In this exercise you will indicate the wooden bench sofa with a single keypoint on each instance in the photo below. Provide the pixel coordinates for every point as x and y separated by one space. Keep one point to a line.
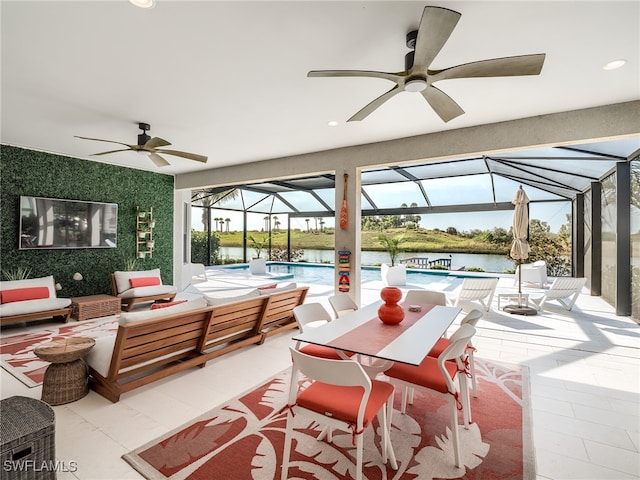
31 299
153 344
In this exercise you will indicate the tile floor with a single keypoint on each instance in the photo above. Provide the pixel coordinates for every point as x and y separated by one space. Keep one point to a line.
584 378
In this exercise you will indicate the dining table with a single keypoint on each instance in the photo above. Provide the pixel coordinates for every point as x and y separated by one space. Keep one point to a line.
363 333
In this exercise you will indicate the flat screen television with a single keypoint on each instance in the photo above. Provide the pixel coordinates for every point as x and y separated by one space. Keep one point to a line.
55 223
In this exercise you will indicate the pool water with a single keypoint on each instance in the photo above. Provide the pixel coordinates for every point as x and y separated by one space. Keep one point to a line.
320 274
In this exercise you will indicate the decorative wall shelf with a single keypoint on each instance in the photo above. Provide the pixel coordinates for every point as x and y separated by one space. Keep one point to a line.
144 233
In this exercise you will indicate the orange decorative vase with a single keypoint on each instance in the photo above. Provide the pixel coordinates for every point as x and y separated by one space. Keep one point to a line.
391 313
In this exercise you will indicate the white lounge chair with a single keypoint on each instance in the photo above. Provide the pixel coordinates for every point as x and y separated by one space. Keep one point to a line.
476 290
564 290
535 272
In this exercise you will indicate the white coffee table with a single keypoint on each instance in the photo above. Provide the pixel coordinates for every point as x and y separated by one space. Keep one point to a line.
512 297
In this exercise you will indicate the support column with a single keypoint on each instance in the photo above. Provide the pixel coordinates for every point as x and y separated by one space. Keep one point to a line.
578 236
623 239
596 239
349 238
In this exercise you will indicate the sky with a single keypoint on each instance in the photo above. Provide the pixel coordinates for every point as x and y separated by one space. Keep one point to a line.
552 213
449 191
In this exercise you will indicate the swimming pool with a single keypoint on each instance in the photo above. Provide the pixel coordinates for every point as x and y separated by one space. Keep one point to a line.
321 274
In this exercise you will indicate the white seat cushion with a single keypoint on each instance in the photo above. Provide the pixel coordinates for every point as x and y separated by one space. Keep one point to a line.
227 298
148 291
283 288
33 306
139 316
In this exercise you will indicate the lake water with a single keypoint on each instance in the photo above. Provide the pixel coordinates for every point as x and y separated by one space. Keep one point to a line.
489 263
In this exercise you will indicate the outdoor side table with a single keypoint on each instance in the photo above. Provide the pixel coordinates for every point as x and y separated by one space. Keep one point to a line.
27 439
66 379
512 297
94 306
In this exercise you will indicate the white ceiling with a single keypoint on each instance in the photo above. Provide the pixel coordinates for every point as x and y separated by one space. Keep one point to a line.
228 79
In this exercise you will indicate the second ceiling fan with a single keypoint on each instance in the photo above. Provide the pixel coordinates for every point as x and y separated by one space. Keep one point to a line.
151 146
435 28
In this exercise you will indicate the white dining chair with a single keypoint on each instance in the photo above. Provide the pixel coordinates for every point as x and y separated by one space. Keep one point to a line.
341 396
472 318
311 315
441 377
342 304
433 297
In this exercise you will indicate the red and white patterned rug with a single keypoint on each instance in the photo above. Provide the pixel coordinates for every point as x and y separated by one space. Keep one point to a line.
16 351
243 439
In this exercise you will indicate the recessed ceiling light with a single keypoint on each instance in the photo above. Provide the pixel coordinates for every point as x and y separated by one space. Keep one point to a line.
614 64
143 3
332 123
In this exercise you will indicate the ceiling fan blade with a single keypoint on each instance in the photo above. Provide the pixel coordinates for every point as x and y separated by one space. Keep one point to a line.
111 151
189 156
394 77
158 160
369 108
446 108
155 142
435 28
496 67
101 140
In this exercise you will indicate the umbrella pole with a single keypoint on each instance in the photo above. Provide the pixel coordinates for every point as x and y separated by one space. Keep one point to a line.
519 282
520 309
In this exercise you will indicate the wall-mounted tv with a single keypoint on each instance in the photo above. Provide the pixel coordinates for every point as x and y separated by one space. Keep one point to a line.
55 223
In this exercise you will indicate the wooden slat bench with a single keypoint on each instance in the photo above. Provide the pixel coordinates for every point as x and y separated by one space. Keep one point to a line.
143 351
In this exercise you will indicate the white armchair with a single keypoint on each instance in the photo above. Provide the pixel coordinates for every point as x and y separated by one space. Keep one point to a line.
535 272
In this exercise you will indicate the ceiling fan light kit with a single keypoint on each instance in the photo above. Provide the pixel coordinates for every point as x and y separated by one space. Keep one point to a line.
436 26
150 146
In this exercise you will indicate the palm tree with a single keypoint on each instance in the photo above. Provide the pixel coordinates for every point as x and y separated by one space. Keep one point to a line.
276 222
266 223
207 198
228 220
307 220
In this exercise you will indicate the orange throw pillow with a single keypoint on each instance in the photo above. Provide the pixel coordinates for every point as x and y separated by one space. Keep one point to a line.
144 281
21 294
155 306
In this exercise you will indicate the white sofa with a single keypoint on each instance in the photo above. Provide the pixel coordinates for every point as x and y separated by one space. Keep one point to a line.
31 299
131 288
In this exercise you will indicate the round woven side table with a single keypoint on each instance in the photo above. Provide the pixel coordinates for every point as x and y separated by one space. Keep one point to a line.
66 379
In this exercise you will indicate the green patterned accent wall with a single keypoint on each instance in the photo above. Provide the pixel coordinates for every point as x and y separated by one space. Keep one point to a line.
28 172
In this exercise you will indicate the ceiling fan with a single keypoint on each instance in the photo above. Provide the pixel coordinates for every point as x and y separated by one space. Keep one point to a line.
149 145
435 28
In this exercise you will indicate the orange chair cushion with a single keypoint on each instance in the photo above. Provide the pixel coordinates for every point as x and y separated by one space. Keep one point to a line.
440 346
426 375
144 281
342 403
322 352
268 287
22 294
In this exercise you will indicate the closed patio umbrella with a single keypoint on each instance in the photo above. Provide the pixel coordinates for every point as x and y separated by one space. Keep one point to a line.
520 246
